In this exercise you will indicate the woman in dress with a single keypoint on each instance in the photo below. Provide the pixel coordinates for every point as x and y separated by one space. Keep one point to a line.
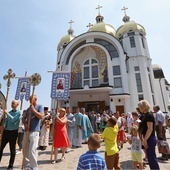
61 139
147 130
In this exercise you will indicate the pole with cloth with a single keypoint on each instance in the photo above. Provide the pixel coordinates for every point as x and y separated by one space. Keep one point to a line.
59 91
35 80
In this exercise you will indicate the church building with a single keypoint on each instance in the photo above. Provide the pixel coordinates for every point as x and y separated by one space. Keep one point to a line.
111 68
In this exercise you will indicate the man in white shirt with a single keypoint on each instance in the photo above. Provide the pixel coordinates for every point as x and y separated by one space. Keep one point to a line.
159 122
160 126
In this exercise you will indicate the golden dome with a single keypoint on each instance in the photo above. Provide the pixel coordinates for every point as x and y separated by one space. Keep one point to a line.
66 39
102 27
130 25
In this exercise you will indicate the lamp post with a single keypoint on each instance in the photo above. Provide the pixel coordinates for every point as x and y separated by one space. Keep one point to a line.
0 86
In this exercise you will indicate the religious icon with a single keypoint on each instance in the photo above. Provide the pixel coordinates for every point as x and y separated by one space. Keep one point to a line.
60 84
23 87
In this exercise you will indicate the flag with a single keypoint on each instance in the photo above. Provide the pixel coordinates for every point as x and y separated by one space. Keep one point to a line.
60 85
23 89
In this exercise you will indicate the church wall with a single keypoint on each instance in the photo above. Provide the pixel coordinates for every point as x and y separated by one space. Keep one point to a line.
161 97
132 82
138 50
145 80
130 51
146 48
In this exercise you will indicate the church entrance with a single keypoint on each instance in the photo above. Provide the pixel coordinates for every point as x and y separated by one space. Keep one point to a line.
120 109
92 105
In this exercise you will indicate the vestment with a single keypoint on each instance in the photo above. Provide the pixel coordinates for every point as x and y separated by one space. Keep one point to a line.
87 128
10 133
61 137
91 160
33 137
77 141
70 127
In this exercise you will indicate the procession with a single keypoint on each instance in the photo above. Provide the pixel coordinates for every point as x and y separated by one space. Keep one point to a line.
39 139
84 86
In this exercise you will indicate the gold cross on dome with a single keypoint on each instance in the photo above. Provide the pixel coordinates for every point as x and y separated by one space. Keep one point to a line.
124 9
99 9
70 22
89 25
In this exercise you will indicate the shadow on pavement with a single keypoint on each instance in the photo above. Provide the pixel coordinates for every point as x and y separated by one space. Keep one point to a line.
126 165
43 162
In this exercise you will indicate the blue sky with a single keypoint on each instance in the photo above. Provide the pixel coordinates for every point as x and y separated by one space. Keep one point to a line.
30 31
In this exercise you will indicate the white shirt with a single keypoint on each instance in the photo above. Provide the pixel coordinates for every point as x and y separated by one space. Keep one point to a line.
136 145
159 116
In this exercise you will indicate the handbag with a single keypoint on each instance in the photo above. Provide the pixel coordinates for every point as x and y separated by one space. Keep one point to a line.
163 147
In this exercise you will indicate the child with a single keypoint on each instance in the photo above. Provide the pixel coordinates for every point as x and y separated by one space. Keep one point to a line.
136 149
136 120
111 150
92 159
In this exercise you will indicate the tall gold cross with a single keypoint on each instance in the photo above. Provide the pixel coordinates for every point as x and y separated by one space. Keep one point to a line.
70 22
99 9
124 9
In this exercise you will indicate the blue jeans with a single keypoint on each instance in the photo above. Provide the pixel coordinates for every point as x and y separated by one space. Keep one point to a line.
151 154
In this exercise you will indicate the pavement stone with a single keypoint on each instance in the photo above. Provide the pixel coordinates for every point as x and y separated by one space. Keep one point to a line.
71 160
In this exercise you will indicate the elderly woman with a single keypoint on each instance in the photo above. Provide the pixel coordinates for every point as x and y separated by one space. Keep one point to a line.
147 130
61 139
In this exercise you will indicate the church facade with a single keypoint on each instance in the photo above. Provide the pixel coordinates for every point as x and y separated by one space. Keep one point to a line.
111 68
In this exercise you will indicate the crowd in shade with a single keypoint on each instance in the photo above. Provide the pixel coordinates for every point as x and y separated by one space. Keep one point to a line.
64 130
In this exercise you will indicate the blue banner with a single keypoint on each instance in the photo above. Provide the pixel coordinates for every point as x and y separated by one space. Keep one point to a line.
60 85
23 89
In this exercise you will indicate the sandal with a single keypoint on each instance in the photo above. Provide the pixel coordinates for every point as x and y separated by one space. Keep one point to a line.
55 161
62 158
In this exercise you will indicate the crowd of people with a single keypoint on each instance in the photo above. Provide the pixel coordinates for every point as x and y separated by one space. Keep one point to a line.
33 129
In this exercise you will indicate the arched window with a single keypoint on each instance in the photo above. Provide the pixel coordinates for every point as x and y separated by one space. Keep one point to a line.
90 73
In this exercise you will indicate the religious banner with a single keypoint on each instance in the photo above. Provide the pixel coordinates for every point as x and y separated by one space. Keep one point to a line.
60 85
23 88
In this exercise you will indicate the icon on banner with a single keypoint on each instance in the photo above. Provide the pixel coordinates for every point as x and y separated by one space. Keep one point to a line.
60 84
23 88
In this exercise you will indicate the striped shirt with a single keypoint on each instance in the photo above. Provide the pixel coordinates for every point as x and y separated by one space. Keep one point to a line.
91 160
